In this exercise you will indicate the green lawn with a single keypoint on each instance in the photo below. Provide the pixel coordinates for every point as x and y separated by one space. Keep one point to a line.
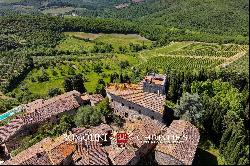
60 10
118 40
73 44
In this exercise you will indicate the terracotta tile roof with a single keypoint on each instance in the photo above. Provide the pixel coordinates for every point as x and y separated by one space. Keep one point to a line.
141 130
30 155
41 111
124 157
101 129
184 148
152 101
155 79
85 97
59 149
55 151
96 98
90 155
43 159
113 151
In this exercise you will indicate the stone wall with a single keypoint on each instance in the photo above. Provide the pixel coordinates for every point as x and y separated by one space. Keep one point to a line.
164 159
128 110
153 88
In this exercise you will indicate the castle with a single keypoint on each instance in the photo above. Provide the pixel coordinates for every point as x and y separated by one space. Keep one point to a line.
146 99
143 108
60 151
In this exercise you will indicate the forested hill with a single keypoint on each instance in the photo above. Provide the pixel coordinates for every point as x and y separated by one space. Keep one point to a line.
212 16
206 20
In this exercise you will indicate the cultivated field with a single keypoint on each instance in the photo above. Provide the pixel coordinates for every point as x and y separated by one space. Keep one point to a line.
192 55
175 56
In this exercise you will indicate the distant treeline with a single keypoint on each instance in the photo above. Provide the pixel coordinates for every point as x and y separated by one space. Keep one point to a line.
18 31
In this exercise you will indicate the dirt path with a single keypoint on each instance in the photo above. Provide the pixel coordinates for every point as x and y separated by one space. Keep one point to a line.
144 59
233 59
195 57
226 60
2 96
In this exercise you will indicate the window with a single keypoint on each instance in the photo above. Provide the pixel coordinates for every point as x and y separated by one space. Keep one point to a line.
39 155
152 117
126 115
139 111
112 100
129 107
122 104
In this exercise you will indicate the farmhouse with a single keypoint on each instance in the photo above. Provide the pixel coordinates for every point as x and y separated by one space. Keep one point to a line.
146 99
36 114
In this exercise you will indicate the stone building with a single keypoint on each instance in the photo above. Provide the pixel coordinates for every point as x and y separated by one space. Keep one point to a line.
138 144
36 114
142 140
179 147
93 99
130 101
154 83
62 151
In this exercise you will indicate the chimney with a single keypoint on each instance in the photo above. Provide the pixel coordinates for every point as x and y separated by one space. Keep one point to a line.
158 92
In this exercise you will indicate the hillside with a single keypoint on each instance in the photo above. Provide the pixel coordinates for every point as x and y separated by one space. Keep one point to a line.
50 47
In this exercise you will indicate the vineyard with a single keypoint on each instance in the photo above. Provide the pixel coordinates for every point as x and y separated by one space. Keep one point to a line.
191 55
162 63
11 68
241 65
213 50
197 49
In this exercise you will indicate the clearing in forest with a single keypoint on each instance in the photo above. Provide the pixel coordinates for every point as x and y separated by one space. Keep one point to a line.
86 41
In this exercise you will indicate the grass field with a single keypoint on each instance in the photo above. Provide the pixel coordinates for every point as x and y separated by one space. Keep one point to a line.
61 10
76 41
73 44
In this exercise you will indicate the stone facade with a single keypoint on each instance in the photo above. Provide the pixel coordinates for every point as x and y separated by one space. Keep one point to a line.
165 159
129 110
146 99
154 83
